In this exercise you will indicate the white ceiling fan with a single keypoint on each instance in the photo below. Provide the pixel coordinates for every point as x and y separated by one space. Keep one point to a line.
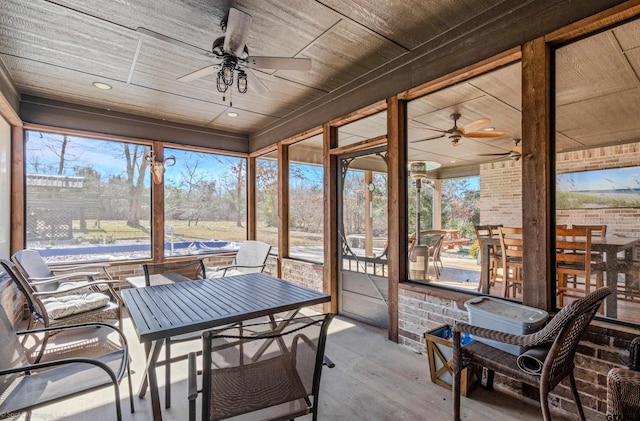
233 62
472 129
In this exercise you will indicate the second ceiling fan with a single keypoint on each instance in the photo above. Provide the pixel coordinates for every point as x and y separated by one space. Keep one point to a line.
472 130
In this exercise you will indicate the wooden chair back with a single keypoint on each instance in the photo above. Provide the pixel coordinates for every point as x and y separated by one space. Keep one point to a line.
596 230
512 250
573 258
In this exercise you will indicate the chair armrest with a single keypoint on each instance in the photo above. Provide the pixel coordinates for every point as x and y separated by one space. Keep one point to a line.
242 266
80 286
66 361
75 326
80 267
64 277
507 338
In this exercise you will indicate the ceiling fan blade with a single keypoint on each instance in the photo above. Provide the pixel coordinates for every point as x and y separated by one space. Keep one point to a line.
205 71
495 154
156 35
475 125
235 36
428 138
485 134
284 63
255 84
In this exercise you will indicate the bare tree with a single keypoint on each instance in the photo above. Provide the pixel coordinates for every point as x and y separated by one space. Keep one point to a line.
136 167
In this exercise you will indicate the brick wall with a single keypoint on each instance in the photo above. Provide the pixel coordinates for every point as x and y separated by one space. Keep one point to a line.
603 347
501 190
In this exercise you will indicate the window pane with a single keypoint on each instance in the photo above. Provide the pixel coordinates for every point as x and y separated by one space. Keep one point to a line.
306 200
466 138
267 200
205 202
598 167
87 199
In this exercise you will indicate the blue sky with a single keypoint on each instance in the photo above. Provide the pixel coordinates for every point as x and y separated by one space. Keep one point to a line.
609 179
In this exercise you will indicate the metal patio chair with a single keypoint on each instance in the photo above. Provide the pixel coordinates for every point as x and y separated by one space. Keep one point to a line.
264 371
25 386
250 258
69 306
45 278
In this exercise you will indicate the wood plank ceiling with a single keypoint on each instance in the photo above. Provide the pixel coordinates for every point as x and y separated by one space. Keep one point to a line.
56 49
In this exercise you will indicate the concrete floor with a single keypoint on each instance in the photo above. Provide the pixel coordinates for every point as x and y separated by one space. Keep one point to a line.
374 379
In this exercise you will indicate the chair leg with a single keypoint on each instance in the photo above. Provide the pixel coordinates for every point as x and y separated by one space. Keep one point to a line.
544 403
130 387
490 374
167 373
576 396
456 394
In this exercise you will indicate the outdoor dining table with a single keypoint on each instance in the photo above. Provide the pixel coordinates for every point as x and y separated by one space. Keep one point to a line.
610 246
161 311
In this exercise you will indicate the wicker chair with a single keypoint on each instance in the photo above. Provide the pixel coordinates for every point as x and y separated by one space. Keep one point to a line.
262 371
46 312
623 388
25 386
192 269
562 334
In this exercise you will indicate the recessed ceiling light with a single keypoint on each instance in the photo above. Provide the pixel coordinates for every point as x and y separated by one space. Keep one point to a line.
101 85
232 114
453 161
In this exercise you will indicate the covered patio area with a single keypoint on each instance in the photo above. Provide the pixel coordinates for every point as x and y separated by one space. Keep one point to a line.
374 379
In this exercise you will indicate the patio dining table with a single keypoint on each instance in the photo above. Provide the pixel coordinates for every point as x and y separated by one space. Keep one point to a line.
609 246
161 311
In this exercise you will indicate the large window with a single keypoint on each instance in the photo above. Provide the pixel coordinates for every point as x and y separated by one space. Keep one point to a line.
464 170
306 200
597 176
87 199
204 202
267 199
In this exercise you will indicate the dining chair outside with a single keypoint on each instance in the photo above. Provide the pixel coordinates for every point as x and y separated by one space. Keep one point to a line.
69 306
597 231
266 371
573 258
561 335
192 269
512 250
25 386
250 258
484 232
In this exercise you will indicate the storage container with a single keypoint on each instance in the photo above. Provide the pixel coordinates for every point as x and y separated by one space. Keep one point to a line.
504 316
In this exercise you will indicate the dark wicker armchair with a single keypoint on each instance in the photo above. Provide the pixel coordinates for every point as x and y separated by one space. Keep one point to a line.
561 334
623 388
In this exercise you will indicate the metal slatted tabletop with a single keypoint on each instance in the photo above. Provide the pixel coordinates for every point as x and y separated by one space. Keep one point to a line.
161 311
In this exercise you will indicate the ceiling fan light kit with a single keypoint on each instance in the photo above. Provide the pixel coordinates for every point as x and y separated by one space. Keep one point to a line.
233 53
